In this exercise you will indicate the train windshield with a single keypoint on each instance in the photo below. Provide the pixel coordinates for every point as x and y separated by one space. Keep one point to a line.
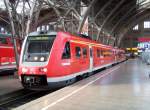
38 48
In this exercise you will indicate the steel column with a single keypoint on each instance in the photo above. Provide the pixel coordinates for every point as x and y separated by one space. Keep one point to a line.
85 16
122 18
103 8
30 16
107 18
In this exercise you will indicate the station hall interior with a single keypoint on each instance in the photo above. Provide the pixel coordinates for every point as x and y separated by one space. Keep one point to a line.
75 54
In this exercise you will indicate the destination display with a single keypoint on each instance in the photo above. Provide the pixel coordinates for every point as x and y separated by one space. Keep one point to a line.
39 38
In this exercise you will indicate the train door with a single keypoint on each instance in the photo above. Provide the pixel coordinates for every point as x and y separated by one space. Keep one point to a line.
115 54
91 58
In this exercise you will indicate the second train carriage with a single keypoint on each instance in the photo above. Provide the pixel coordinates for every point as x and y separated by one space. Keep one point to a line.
51 60
7 56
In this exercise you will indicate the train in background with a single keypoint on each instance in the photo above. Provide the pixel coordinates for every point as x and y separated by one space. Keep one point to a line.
7 55
56 59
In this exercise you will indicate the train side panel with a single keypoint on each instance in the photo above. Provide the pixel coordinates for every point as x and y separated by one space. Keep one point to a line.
58 66
7 55
77 62
80 57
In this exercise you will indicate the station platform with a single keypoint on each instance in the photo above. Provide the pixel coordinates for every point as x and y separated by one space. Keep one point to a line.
123 87
9 81
9 84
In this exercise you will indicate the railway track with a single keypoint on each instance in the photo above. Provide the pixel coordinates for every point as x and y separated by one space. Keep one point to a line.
20 97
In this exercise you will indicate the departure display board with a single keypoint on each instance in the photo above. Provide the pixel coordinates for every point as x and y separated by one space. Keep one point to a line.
39 38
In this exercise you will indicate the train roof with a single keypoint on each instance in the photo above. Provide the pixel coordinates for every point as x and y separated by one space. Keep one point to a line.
80 39
71 36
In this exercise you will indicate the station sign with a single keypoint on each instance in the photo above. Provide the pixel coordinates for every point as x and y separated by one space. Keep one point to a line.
144 39
143 46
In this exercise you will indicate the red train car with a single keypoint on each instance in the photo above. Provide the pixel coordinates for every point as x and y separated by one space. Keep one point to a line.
51 60
7 56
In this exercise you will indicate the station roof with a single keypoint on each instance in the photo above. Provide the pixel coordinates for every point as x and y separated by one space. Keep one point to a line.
111 15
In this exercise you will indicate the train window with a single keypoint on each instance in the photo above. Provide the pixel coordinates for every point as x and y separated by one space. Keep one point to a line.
84 52
78 51
107 53
3 41
110 52
66 52
98 53
104 53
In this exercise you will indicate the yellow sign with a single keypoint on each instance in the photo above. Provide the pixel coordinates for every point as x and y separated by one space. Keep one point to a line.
135 49
128 48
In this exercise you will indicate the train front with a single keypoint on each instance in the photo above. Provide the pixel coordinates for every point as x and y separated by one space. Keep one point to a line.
34 59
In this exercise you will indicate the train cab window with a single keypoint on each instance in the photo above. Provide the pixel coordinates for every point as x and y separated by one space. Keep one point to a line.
3 41
66 52
84 52
38 48
78 52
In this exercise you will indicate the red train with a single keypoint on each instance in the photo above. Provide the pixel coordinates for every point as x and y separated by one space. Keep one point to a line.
51 60
7 56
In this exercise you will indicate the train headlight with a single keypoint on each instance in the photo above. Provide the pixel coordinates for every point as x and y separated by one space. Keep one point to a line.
24 70
35 58
42 59
43 70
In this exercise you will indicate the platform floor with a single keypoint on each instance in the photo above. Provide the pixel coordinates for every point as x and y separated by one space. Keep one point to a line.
122 87
9 84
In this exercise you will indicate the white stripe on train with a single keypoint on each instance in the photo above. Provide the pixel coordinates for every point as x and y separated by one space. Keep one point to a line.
5 63
67 77
6 47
